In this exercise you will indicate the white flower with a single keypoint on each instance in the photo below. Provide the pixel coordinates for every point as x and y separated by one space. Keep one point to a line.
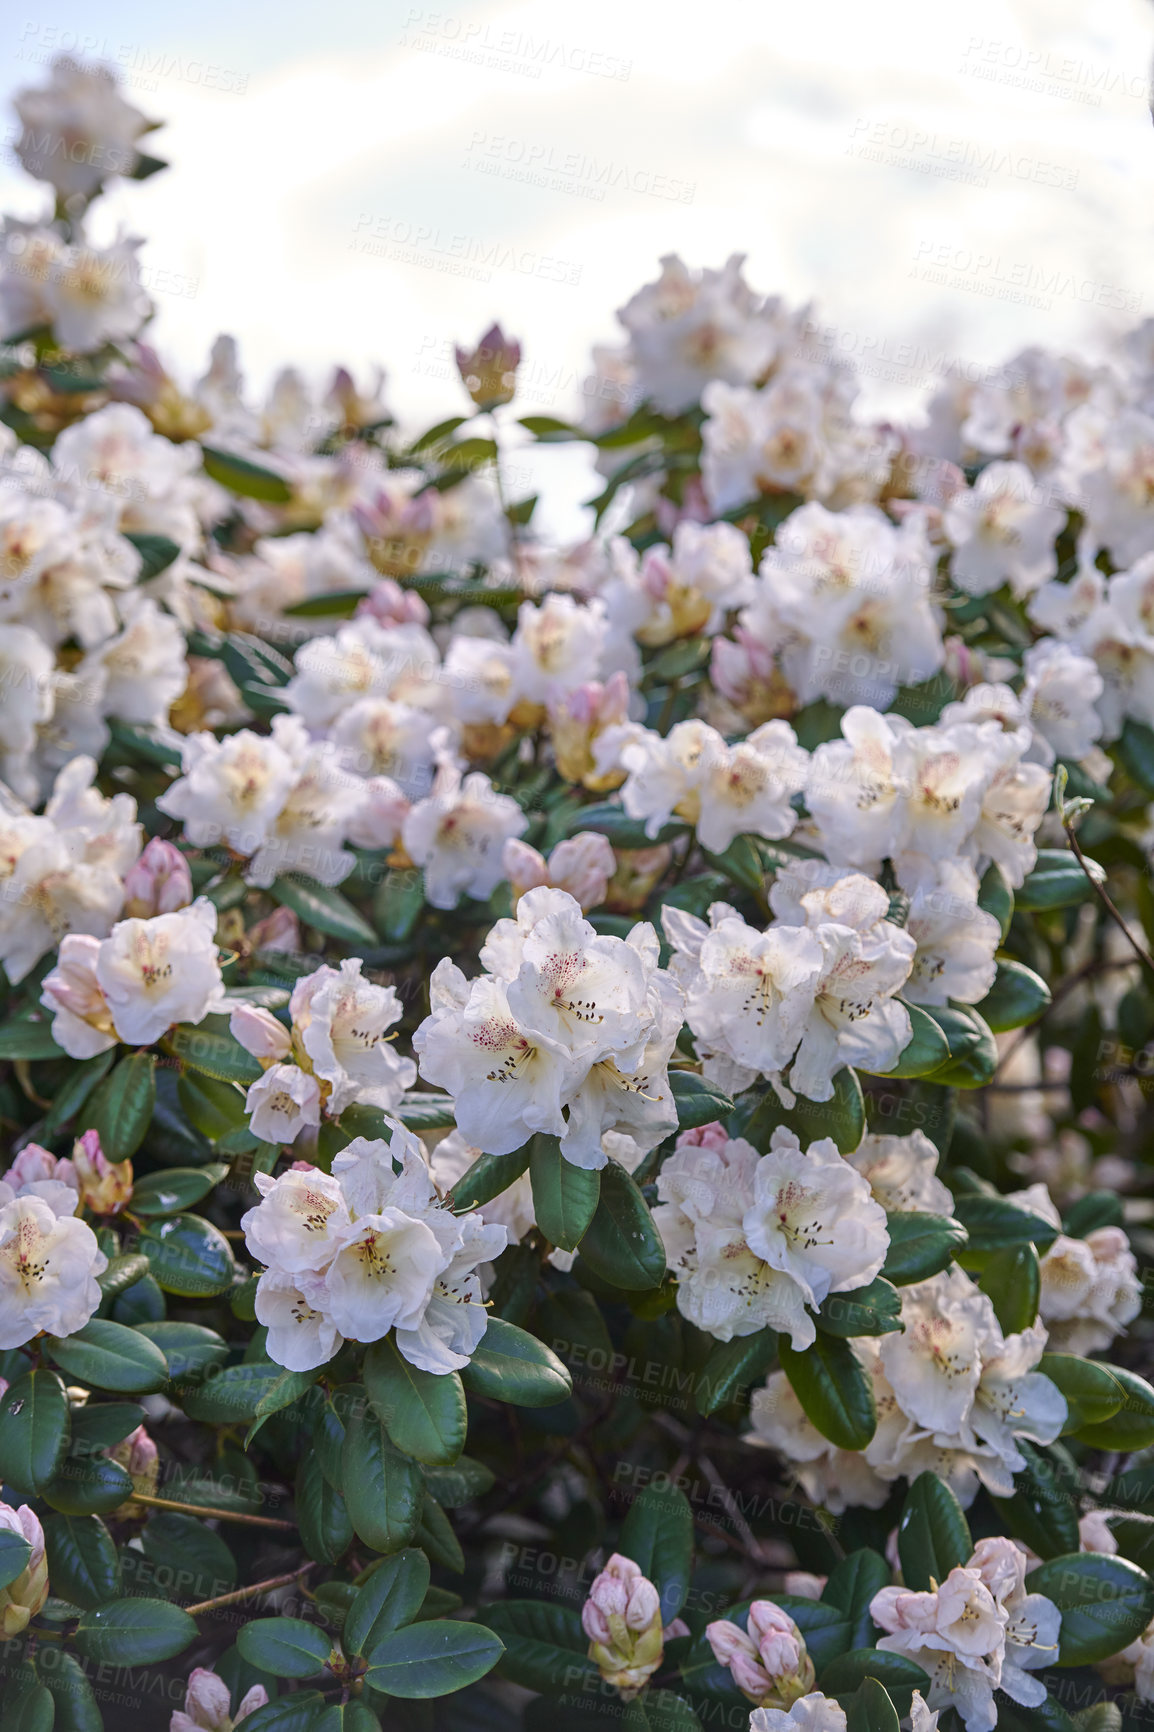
726 791
293 1308
82 1022
748 993
755 1239
558 645
458 834
1002 530
855 1018
685 330
383 1274
812 1217
1090 1290
322 803
298 1223
935 1364
507 1080
455 1318
154 973
48 1269
836 1478
361 661
956 939
231 790
1060 694
144 667
812 1713
340 1020
77 130
93 295
856 789
1012 1400
282 1103
901 1171
379 737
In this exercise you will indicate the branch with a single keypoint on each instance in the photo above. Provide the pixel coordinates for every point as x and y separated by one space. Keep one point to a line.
235 1598
1103 896
224 1515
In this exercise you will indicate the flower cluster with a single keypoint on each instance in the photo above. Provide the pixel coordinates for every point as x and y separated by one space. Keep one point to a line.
977 1632
756 1239
566 1034
366 1249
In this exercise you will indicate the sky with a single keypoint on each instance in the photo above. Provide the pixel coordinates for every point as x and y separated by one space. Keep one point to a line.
369 183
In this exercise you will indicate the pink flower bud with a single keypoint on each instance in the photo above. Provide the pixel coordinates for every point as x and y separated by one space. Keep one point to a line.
770 1664
489 371
377 821
22 1599
622 1618
206 1704
778 1639
280 930
804 1585
583 865
138 1456
159 883
32 1166
389 604
523 867
732 1648
105 1186
713 1136
259 1032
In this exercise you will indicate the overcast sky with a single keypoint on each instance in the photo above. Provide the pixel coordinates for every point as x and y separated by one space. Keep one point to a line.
367 182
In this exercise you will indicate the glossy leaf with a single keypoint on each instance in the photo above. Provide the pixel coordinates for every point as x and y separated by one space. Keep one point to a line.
834 1390
621 1243
433 1659
424 1415
933 1534
134 1632
564 1196
383 1489
1105 1602
920 1245
512 1365
286 1647
391 1597
34 1430
110 1356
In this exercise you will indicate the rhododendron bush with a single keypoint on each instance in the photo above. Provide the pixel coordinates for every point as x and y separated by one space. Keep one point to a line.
576 1118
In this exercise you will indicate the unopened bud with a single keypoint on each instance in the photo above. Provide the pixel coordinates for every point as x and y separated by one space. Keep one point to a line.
490 370
159 883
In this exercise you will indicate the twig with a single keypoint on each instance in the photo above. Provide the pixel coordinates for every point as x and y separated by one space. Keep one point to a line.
235 1598
224 1515
1105 899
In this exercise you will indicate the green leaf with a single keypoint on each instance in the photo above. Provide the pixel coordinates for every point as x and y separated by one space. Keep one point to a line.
174 1188
1057 881
83 1565
286 1647
1012 1281
323 908
188 1256
927 1049
1135 1537
461 1483
436 1537
933 1534
996 897
512 1365
564 1196
993 1223
433 1659
1095 1209
1093 1393
14 1555
189 1348
698 1102
842 1117
110 1356
1017 997
233 1394
834 1390
545 1647
75 1090
281 1393
102 1424
872 1310
383 1489
248 480
1048 1716
973 1049
845 1674
213 1052
851 1587
121 1109
733 1367
138 741
392 1596
299 1712
1105 1603
1043 1512
34 1430
183 1558
88 1485
34 1712
869 1709
487 1178
1132 1426
21 1038
621 1243
425 1415
623 831
333 604
123 1273
212 1108
322 1514
63 1676
134 1632
658 1535
156 552
920 1245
